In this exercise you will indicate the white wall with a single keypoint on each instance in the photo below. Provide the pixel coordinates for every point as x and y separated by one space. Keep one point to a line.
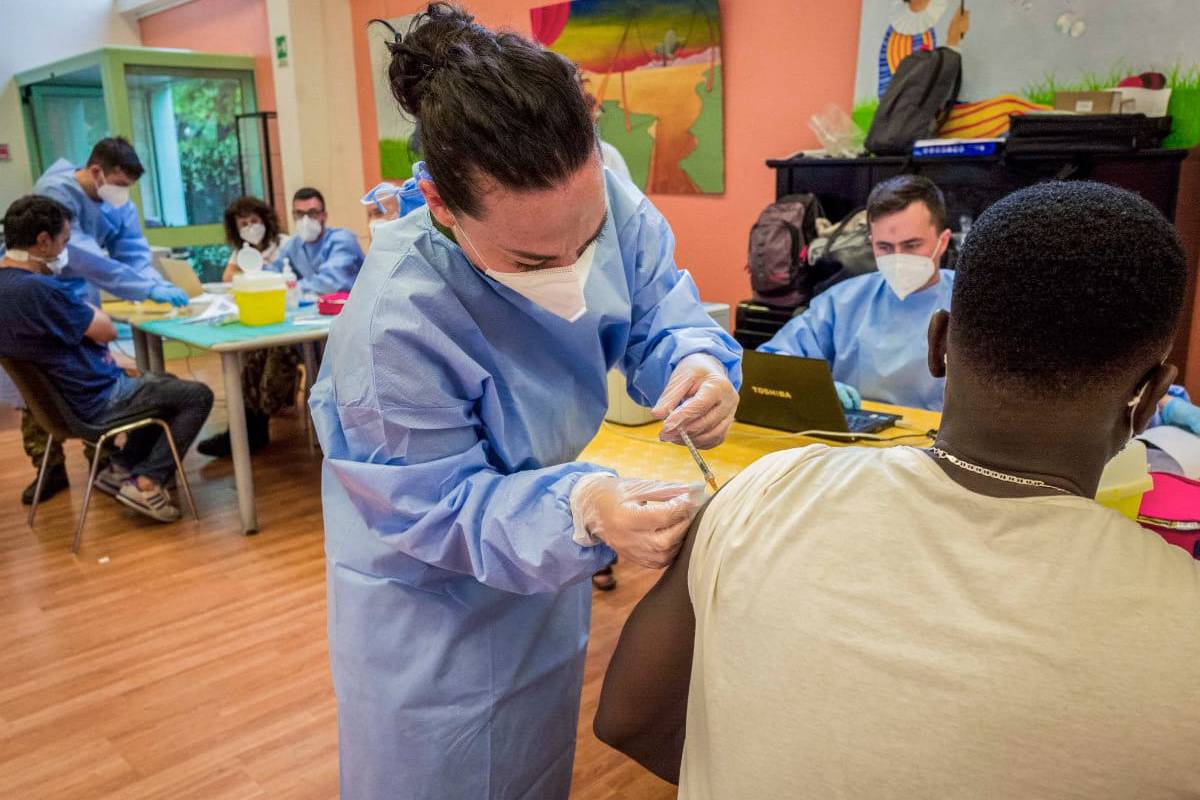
37 32
319 139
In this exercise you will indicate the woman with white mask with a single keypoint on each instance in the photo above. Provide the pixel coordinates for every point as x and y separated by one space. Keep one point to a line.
268 376
249 222
461 382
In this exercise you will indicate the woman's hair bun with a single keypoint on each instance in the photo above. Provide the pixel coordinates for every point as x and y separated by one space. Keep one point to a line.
441 35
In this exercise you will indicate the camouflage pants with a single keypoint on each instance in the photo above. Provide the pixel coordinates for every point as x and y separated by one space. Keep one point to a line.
269 379
34 439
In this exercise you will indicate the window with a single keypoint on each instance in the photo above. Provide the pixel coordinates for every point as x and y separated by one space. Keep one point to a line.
184 131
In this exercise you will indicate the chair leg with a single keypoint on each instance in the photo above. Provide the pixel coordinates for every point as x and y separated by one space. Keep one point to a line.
41 478
183 481
87 493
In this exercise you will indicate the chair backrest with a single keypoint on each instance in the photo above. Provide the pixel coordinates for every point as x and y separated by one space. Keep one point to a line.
43 399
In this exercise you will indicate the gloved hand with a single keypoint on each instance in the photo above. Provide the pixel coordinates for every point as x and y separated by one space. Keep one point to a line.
851 399
644 521
165 293
702 382
1181 414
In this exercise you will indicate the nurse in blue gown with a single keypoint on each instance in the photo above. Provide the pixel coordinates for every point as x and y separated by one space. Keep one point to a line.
872 328
460 384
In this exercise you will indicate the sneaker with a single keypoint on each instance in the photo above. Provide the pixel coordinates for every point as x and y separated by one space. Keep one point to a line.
55 482
155 504
109 479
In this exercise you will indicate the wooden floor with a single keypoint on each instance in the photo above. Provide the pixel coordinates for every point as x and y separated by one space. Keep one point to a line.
188 661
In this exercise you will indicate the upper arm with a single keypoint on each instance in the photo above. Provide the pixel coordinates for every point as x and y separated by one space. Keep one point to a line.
101 329
643 705
809 335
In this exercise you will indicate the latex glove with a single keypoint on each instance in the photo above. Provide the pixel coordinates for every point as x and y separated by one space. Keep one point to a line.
165 293
644 521
698 399
851 399
1181 414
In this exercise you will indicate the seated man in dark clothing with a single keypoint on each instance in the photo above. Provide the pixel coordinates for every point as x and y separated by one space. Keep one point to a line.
45 323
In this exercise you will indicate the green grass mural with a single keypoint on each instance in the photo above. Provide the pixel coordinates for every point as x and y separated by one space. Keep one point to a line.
706 164
636 145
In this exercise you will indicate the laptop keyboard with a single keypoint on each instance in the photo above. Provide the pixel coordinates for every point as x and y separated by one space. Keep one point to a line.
867 421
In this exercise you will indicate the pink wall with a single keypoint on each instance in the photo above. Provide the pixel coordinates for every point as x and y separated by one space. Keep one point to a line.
218 26
784 60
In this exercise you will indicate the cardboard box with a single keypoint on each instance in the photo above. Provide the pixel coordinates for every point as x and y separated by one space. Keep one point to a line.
1107 102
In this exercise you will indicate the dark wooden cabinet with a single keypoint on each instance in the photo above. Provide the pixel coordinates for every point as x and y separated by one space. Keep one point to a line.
973 184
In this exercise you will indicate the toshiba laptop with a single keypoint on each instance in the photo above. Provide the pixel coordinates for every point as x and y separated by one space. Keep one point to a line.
796 394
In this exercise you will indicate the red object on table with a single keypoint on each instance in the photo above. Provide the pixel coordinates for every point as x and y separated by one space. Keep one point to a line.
331 304
1172 510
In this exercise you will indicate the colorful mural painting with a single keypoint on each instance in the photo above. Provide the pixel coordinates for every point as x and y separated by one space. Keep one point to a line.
654 67
1018 53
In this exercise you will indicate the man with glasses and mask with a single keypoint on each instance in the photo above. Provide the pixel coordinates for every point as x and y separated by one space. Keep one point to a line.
326 259
107 251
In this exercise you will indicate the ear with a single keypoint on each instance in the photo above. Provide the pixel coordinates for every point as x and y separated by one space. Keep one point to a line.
1157 382
939 336
437 206
44 240
942 246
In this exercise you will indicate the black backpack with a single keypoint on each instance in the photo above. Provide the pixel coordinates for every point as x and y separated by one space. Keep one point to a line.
914 106
778 272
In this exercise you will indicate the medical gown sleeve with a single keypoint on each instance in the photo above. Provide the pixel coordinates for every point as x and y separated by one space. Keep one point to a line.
410 462
809 335
1173 391
340 267
86 260
667 320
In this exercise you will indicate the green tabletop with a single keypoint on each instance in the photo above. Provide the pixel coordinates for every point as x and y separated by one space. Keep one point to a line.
236 336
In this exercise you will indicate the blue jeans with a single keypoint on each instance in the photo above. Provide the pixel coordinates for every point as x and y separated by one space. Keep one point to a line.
183 405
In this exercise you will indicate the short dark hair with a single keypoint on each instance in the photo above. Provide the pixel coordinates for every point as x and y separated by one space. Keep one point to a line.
1064 287
245 206
31 215
116 152
490 106
896 194
308 193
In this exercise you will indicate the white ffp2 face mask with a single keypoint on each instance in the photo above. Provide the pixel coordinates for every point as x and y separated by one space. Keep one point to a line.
253 233
308 229
559 290
905 273
115 196
54 265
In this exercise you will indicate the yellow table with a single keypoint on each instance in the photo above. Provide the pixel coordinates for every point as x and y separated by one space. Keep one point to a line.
636 452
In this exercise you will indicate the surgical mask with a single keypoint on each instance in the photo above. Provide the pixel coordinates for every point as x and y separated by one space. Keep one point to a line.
253 233
54 265
308 229
559 290
905 273
115 196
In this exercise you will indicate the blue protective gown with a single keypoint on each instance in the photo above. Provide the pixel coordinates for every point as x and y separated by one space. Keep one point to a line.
451 411
107 249
329 264
872 339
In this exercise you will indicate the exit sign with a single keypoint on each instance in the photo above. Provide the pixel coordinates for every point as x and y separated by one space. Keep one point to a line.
4 154
281 51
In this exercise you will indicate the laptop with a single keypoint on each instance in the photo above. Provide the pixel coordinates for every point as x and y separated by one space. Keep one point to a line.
180 273
796 394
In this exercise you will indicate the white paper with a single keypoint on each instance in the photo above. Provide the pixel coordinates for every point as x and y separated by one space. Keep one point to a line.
1151 102
219 306
1181 445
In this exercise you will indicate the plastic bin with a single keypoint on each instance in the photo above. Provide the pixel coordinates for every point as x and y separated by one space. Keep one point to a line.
1126 478
261 298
